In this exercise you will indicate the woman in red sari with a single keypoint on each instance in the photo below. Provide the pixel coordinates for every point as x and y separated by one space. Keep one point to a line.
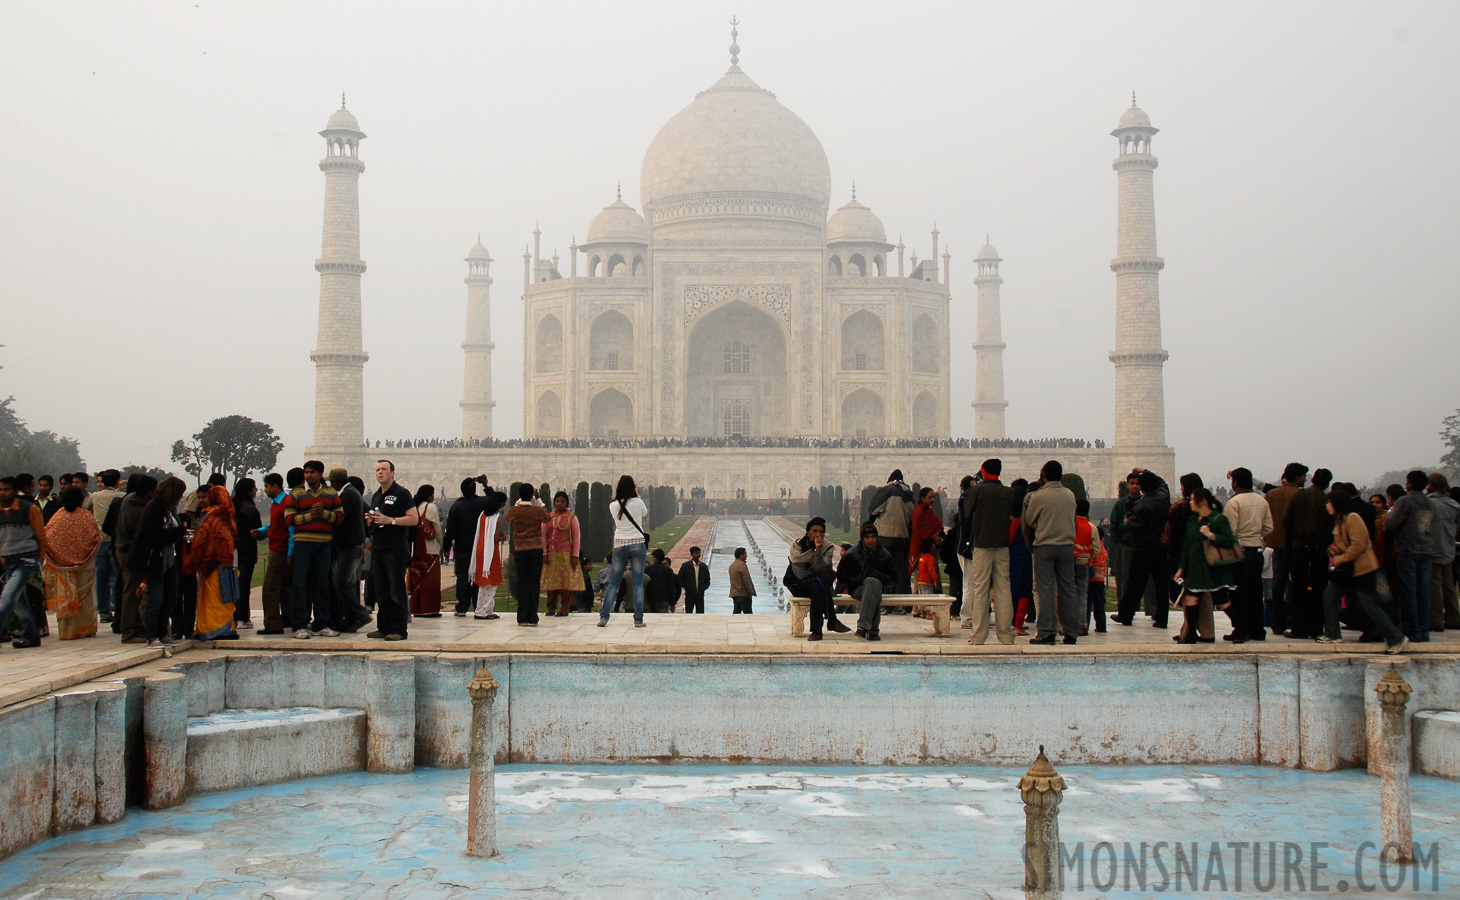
423 578
210 557
70 571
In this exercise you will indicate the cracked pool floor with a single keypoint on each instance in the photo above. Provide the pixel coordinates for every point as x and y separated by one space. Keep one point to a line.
733 832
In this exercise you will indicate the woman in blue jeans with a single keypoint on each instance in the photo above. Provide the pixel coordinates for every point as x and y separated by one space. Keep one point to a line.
630 547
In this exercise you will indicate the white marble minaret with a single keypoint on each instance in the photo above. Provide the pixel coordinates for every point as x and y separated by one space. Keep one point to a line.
1140 405
339 358
476 391
988 416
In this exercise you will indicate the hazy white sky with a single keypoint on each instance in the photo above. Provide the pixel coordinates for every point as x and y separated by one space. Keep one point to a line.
162 201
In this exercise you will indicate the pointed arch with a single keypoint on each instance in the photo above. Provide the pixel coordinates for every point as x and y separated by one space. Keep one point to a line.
549 344
925 343
611 342
857 265
737 353
864 415
616 266
834 265
925 415
610 415
549 419
864 343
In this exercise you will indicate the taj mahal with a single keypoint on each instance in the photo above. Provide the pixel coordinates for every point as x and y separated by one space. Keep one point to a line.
739 334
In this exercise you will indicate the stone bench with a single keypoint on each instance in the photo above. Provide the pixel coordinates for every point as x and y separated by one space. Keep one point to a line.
1436 738
245 747
940 604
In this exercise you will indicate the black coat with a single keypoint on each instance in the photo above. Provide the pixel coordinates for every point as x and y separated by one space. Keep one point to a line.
461 524
153 536
247 521
1146 521
694 587
661 587
858 564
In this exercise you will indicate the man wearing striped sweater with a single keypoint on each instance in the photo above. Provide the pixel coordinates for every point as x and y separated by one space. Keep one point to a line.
312 510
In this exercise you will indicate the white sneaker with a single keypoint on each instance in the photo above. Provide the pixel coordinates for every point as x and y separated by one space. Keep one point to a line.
302 634
1398 648
326 632
245 625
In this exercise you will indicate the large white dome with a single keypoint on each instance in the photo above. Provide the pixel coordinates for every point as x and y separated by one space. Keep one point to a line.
735 139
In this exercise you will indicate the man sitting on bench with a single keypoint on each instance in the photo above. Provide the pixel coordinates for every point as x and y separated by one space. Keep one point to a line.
811 576
865 571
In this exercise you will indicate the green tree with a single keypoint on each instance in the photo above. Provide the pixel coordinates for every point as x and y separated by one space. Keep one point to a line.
37 452
234 445
580 509
134 469
1076 485
1450 434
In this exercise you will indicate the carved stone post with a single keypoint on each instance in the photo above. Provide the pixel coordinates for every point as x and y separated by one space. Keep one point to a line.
481 816
1394 762
1042 789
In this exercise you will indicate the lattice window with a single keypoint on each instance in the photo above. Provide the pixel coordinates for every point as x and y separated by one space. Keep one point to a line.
610 360
861 434
612 434
860 363
737 358
735 420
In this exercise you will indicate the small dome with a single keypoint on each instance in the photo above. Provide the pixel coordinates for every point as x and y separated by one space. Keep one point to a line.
987 251
478 252
619 223
855 223
1135 117
342 120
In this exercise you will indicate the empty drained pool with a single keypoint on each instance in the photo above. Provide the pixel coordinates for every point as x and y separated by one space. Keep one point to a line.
740 831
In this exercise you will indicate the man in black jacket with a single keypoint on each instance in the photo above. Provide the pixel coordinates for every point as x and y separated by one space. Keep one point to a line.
461 534
1144 524
661 585
694 577
347 557
865 572
984 515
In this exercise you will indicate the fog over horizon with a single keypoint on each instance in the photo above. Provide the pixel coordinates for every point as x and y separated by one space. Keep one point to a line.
163 202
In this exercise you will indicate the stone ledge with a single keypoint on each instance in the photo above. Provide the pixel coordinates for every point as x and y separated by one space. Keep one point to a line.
247 747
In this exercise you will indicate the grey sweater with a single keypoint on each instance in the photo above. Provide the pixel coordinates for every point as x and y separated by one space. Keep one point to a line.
1408 524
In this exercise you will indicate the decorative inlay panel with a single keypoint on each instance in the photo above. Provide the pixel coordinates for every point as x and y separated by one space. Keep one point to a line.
700 297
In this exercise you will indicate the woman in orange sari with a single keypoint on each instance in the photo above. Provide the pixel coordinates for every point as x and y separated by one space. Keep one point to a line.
70 571
211 556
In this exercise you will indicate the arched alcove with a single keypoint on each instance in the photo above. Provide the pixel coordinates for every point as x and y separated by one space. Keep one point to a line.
737 353
925 415
610 415
857 265
616 266
926 355
864 343
834 265
864 415
549 344
611 342
549 415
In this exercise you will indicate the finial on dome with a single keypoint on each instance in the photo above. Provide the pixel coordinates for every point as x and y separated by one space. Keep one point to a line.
734 47
342 99
619 191
479 237
1132 99
854 190
987 239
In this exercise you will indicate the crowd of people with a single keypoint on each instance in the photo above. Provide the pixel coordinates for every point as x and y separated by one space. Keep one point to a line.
736 441
159 563
1304 558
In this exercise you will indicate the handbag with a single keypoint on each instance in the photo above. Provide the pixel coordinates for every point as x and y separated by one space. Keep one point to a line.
789 579
428 528
228 585
1223 556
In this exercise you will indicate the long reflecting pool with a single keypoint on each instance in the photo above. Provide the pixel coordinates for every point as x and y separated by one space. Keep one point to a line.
765 832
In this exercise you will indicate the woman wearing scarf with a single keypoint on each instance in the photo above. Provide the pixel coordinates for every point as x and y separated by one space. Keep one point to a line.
561 576
423 578
486 555
210 557
70 571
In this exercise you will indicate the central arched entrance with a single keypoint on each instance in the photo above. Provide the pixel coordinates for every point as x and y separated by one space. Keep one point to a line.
737 375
